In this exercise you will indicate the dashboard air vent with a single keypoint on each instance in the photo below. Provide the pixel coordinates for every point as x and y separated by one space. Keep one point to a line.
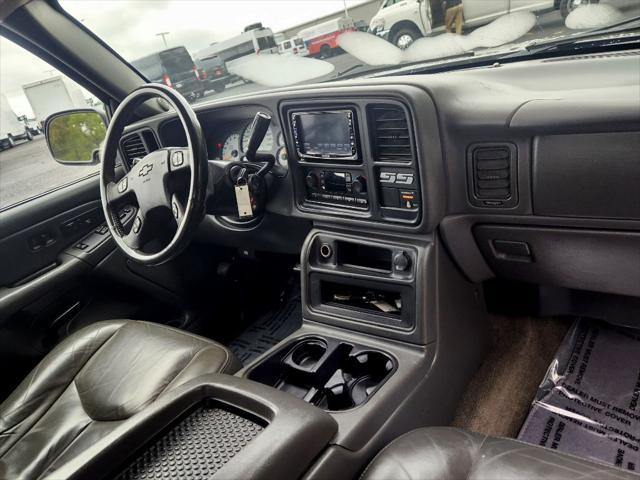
390 128
136 145
492 172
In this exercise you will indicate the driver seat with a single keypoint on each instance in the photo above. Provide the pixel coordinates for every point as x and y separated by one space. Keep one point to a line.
93 381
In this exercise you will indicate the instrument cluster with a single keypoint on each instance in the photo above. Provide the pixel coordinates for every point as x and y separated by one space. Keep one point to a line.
231 145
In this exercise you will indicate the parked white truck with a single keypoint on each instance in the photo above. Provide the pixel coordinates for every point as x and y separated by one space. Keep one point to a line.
11 129
403 21
52 95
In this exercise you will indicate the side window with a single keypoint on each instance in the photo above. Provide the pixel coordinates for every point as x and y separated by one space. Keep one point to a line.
30 91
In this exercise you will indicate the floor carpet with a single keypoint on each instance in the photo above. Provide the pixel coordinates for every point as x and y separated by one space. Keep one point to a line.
499 396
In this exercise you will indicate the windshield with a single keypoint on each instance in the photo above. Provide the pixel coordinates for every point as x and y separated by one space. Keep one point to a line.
256 39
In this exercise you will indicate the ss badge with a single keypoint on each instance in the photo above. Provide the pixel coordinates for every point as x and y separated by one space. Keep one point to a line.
396 178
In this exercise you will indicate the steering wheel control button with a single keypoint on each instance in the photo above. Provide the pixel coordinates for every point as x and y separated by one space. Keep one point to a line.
137 224
122 186
177 159
174 210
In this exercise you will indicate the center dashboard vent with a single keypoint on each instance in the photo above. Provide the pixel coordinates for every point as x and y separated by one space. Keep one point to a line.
137 145
492 175
391 131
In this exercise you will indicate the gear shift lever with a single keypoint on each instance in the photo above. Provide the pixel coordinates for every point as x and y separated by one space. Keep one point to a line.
259 129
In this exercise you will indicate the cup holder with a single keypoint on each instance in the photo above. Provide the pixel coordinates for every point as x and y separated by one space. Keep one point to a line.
356 380
307 354
329 373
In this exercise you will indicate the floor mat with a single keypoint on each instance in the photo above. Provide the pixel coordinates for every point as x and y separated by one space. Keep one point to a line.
269 329
588 403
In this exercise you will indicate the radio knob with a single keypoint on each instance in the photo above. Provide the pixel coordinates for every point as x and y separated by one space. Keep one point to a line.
359 185
312 180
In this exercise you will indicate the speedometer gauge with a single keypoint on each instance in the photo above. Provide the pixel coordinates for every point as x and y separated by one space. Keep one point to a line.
231 148
265 146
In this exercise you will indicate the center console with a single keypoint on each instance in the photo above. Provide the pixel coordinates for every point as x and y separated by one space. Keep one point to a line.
386 317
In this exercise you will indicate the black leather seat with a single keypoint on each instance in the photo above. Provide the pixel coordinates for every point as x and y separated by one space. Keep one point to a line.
450 453
91 383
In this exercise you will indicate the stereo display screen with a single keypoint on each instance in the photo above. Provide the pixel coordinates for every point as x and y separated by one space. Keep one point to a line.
325 134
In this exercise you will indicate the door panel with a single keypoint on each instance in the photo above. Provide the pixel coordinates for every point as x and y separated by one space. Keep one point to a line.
37 247
37 241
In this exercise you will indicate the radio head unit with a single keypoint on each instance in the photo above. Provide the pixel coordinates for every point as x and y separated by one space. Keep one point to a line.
325 135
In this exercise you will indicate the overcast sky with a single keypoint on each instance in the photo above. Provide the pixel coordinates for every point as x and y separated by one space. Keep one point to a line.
130 27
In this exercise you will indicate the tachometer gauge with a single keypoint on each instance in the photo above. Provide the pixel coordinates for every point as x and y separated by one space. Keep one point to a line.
231 148
265 146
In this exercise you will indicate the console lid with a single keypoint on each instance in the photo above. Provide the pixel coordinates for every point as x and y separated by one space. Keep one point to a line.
216 426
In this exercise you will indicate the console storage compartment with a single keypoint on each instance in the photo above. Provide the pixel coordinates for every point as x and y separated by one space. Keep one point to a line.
380 300
329 373
385 303
215 426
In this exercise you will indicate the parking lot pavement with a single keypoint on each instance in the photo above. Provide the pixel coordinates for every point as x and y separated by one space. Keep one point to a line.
27 170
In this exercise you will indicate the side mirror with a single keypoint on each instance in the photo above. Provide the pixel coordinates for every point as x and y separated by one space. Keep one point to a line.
74 136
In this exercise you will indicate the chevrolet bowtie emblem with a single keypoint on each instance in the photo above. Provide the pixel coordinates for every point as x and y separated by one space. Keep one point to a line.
144 171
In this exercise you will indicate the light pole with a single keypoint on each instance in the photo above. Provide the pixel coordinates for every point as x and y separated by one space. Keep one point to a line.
163 35
346 11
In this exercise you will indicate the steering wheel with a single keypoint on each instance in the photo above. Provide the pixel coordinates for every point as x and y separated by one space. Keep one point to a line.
167 187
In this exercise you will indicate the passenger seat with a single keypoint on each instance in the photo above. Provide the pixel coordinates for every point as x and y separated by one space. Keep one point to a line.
441 453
